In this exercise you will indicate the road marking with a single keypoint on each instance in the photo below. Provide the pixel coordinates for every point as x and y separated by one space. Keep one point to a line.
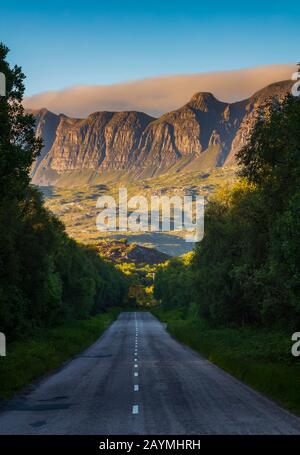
135 409
135 360
136 388
135 366
136 374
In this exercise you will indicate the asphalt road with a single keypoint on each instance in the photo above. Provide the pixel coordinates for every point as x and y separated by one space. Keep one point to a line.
136 379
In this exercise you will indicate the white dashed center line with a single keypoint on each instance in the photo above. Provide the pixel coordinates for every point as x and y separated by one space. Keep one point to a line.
135 409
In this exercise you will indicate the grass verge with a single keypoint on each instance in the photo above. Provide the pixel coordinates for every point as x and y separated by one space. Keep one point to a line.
47 349
259 358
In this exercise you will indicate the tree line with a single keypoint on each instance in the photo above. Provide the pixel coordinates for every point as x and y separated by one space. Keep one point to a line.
246 271
45 276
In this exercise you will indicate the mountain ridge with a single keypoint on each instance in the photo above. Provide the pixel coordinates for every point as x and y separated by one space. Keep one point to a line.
205 132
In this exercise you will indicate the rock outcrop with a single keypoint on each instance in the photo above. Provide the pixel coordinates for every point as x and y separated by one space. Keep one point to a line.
120 251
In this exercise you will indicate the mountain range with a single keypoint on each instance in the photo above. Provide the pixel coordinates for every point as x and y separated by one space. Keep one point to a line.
204 133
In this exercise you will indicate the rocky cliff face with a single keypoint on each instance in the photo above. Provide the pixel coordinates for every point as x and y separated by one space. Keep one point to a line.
47 124
255 106
205 132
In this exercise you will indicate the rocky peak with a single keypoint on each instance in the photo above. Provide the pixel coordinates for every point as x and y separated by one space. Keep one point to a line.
204 101
276 90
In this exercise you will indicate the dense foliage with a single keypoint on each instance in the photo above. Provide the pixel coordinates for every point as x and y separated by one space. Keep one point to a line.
45 277
247 268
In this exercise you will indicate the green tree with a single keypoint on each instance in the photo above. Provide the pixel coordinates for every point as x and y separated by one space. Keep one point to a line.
247 268
45 277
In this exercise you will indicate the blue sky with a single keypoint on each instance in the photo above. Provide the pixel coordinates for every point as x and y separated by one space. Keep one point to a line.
60 44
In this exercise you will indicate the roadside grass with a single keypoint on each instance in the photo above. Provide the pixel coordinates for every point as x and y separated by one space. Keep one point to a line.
260 358
47 349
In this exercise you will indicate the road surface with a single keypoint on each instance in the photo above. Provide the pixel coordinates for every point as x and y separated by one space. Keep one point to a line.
136 379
